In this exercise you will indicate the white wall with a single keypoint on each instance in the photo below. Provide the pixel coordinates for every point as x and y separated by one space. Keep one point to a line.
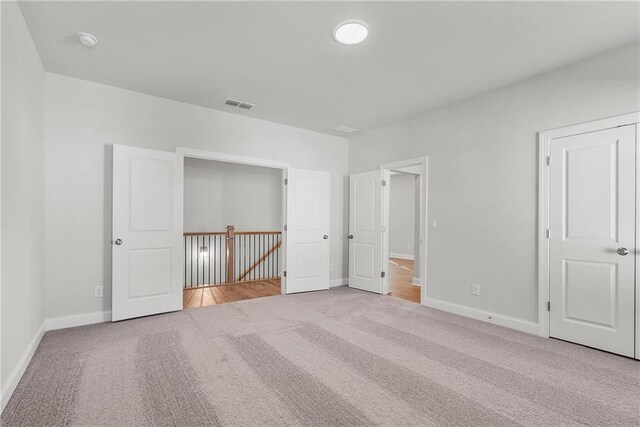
483 174
22 156
83 120
217 194
402 203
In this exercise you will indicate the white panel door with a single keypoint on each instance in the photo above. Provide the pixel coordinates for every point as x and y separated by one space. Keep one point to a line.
365 231
308 222
147 232
592 239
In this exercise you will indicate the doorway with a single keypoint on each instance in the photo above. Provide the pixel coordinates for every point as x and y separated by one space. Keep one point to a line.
148 238
589 234
404 241
369 225
233 217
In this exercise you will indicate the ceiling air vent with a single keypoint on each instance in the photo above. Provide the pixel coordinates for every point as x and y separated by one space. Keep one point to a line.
345 129
236 103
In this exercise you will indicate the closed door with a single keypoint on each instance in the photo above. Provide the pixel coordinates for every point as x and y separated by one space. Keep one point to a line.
308 221
147 232
365 231
592 239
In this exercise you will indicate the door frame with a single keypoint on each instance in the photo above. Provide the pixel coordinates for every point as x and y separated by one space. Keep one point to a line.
253 161
422 166
544 150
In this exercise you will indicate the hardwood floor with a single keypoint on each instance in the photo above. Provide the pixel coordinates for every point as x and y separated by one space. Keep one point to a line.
202 297
400 280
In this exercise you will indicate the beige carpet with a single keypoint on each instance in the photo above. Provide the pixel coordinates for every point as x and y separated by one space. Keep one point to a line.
339 357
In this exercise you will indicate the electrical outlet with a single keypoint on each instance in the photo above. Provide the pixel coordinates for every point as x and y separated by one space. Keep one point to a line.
433 223
98 291
475 289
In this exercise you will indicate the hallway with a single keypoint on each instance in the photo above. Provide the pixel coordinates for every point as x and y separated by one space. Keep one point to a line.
400 280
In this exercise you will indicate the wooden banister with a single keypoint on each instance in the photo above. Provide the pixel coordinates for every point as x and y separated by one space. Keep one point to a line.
215 257
206 233
259 261
231 240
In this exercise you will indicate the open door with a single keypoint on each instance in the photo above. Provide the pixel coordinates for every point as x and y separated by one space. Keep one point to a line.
366 269
147 232
307 247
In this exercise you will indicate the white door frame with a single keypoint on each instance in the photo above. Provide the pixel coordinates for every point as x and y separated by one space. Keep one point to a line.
252 161
544 149
422 165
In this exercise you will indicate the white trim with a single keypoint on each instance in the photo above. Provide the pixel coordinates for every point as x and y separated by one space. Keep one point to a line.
334 283
253 161
637 349
401 256
77 320
422 165
544 150
485 316
231 158
416 281
16 374
47 325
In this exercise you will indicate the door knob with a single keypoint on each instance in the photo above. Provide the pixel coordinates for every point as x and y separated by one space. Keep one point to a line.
118 242
351 236
622 251
325 237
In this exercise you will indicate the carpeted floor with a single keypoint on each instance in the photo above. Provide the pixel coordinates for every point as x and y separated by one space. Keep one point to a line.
338 357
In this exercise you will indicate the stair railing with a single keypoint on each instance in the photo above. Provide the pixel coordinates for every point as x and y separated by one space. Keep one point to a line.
214 258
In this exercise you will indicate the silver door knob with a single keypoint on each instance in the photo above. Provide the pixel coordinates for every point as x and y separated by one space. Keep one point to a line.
622 251
325 237
118 242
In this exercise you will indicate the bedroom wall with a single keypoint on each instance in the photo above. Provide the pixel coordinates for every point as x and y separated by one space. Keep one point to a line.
217 194
22 177
483 174
84 119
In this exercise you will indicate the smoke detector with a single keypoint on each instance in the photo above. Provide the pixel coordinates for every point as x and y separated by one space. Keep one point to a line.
88 40
240 104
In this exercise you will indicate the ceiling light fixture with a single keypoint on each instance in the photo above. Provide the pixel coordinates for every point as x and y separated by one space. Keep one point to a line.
89 40
353 31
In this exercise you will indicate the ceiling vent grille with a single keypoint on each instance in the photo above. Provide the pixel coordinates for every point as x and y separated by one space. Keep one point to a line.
345 129
235 103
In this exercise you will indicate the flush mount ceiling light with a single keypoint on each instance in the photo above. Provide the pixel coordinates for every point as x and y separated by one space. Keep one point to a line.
353 31
89 40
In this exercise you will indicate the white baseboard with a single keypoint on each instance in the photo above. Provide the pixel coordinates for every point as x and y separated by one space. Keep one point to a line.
47 325
416 281
486 316
338 282
401 256
14 377
77 320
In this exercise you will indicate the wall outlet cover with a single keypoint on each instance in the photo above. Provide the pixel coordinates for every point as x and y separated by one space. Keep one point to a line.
98 291
475 289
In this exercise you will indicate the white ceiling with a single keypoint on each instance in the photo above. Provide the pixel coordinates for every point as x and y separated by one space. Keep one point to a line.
282 57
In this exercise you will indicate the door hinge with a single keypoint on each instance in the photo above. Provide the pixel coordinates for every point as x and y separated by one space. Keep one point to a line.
285 227
384 183
286 181
284 273
382 274
548 233
548 160
384 229
548 305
